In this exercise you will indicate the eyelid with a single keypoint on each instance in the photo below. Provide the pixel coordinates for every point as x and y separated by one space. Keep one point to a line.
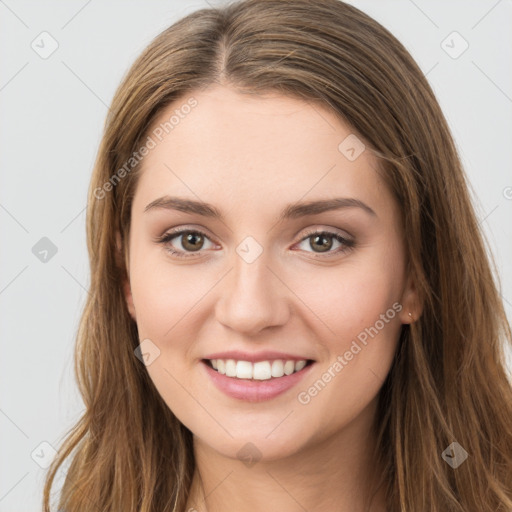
173 233
309 231
328 230
182 228
347 242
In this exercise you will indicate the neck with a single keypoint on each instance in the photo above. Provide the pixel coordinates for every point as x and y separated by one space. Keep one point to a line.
336 473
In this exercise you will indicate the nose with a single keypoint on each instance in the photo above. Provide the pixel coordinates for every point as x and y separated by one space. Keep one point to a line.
252 298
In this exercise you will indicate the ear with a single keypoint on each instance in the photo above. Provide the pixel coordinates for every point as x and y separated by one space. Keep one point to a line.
124 263
412 305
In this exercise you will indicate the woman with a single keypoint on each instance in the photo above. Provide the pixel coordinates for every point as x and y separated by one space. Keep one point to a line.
290 307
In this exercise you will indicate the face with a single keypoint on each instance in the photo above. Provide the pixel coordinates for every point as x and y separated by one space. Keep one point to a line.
255 278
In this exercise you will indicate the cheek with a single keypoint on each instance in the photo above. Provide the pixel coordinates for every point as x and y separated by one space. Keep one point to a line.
352 297
163 295
359 302
167 303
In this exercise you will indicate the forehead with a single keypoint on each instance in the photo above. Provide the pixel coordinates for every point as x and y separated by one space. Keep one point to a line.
247 150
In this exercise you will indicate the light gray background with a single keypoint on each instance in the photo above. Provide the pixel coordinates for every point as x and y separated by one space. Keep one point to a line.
52 112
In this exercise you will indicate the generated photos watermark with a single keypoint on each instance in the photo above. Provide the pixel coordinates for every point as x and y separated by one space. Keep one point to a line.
157 135
305 397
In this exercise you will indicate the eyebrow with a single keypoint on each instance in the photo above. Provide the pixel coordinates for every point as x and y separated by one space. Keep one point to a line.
291 211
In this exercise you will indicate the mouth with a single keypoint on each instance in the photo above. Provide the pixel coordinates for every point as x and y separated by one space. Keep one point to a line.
257 371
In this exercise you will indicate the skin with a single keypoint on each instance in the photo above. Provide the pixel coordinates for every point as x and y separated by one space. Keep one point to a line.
250 156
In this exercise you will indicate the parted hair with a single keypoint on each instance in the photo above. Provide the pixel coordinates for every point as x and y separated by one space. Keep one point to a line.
448 382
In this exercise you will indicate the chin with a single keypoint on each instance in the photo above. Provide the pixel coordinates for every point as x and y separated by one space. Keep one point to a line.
253 446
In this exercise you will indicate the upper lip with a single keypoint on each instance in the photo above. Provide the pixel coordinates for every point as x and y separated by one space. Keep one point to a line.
254 357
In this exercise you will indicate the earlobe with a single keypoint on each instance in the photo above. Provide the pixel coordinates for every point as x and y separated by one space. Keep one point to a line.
412 306
129 298
123 263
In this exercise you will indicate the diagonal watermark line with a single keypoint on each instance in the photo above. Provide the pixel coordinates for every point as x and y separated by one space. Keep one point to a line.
286 490
199 403
13 13
75 15
13 486
310 103
14 218
485 15
376 376
14 423
218 485
196 303
203 500
13 279
221 2
76 280
282 421
73 220
492 211
424 13
492 81
301 300
274 64
432 68
14 76
505 299
85 85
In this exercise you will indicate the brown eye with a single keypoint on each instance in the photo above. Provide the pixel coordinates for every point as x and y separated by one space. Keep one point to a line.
192 241
185 242
325 242
320 242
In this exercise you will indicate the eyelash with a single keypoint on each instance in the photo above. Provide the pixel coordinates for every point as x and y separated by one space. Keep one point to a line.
167 237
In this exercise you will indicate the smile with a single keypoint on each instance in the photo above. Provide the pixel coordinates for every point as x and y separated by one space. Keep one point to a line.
261 370
256 381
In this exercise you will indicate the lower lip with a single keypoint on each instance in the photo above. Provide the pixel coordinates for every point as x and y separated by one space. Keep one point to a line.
255 390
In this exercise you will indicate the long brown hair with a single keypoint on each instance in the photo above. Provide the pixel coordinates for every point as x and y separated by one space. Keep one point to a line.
448 381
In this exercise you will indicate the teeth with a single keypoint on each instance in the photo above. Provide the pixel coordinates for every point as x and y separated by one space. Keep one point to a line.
262 370
299 365
231 368
243 370
289 367
277 368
